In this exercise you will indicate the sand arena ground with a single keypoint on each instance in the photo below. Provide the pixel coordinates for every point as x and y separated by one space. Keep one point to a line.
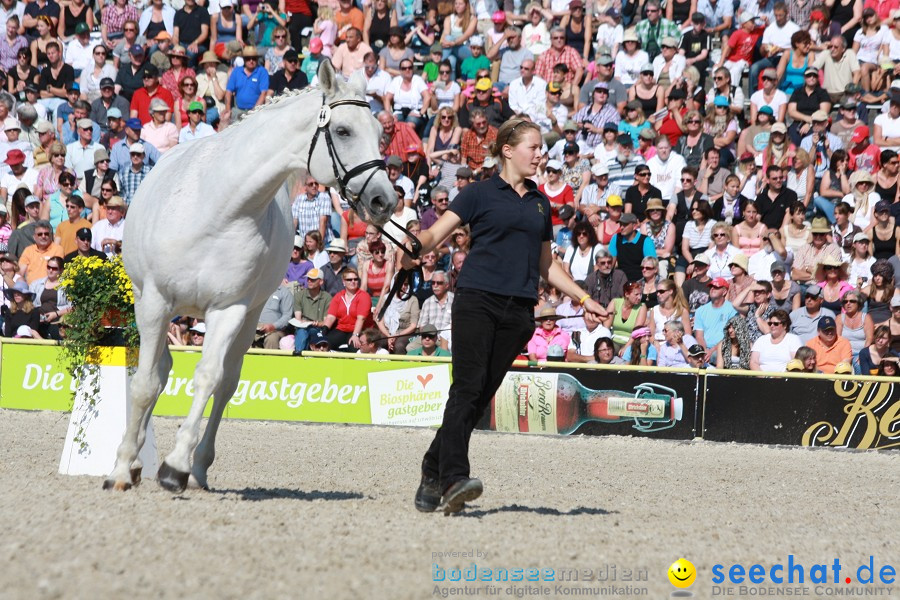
325 511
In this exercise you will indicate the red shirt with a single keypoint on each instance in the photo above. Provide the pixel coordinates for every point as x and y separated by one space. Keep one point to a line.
565 196
869 159
741 44
405 142
669 127
347 312
141 99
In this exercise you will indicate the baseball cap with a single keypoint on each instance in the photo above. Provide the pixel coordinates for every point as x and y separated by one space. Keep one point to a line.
195 106
107 82
314 274
859 134
554 165
849 103
570 148
895 301
32 199
795 364
624 139
599 169
43 127
498 17
84 123
570 126
696 350
814 291
746 17
11 124
811 71
114 113
566 212
483 84
476 40
827 323
862 236
133 123
647 134
199 328
606 59
464 173
702 258
721 101
819 116
317 338
316 45
766 110
614 200
394 161
779 128
291 55
601 85
719 282
136 50
489 162
843 368
136 148
778 267
82 28
882 206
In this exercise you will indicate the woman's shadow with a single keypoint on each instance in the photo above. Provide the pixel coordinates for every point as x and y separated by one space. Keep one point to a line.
539 510
259 494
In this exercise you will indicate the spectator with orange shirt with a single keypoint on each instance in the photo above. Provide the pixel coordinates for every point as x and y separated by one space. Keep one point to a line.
33 262
475 142
830 348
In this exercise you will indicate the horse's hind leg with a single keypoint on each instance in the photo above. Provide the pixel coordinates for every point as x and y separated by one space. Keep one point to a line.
154 362
206 450
222 329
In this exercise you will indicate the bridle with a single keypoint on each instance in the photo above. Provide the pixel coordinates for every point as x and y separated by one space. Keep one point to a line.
375 165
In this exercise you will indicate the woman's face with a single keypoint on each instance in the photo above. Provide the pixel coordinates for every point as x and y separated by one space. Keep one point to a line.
18 297
850 304
460 6
731 333
536 17
548 324
53 270
878 279
615 213
890 368
797 217
525 156
188 88
311 245
634 296
882 341
604 354
655 215
720 238
42 28
693 123
351 282
809 364
751 215
582 239
429 259
406 71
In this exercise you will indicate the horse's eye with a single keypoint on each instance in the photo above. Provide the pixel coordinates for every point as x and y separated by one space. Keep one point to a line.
343 132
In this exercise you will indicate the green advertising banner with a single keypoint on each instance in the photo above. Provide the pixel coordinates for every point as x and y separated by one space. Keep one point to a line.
284 388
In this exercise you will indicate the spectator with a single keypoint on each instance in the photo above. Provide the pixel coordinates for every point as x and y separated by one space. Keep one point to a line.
459 26
580 257
625 314
878 350
674 351
429 346
436 308
107 232
887 126
475 141
310 308
630 63
724 86
737 52
546 335
400 320
775 199
191 29
710 318
349 313
737 345
273 320
584 340
721 252
55 78
829 347
773 351
594 116
527 94
806 318
23 236
880 292
135 174
247 87
854 325
512 56
557 53
629 247
694 144
403 141
22 312
119 154
804 101
107 102
712 175
407 96
195 127
654 29
605 352
606 282
839 66
776 43
623 165
535 34
130 76
18 174
862 198
160 131
786 294
33 262
665 170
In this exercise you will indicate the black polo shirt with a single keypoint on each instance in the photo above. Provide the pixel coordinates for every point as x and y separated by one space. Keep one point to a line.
497 111
809 103
64 78
279 81
130 80
772 211
638 201
189 24
508 234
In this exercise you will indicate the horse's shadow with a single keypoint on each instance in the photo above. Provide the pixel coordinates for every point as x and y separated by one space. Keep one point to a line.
539 510
259 494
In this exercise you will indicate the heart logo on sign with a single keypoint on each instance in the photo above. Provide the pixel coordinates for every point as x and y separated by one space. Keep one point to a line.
424 379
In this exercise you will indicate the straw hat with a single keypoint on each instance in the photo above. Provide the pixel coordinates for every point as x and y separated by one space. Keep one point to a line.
250 52
548 313
209 57
820 225
831 262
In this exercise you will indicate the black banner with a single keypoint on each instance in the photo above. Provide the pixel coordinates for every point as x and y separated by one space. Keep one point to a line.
596 402
807 412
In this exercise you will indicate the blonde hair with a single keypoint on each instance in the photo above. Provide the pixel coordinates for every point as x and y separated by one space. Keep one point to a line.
325 12
447 110
722 226
511 133
680 302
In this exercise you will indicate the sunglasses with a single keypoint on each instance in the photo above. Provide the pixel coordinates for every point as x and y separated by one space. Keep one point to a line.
687 180
693 121
188 84
768 79
774 323
719 235
351 279
103 189
136 153
52 268
45 234
643 174
849 301
406 68
195 112
444 72
67 183
648 268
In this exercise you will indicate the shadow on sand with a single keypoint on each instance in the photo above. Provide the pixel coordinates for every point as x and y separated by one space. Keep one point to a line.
259 494
538 510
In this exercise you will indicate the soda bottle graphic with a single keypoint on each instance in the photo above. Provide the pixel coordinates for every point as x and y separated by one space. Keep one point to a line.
559 403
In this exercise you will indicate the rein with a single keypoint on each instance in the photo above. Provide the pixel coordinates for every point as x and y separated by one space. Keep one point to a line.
376 165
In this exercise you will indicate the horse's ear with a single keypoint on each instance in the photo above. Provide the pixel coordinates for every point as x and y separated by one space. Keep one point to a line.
327 78
358 82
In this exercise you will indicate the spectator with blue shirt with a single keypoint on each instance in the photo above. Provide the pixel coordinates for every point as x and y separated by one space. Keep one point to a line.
710 319
120 153
247 87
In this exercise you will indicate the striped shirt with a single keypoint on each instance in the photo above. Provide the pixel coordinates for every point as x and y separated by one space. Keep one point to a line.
308 213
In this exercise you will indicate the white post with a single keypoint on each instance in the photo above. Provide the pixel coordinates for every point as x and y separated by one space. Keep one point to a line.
95 432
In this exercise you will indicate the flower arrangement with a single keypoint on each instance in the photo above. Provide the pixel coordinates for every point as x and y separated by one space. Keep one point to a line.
102 315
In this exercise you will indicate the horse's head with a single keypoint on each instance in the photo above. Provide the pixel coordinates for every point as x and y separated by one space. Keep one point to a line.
355 135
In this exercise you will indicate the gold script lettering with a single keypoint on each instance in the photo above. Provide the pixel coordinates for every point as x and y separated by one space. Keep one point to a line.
863 401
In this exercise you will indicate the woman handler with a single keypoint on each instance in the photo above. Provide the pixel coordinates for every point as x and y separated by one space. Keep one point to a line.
493 307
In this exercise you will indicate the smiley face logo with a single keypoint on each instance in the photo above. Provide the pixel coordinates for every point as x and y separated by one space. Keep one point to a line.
682 573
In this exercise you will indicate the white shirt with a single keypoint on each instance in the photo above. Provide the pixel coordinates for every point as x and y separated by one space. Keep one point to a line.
609 36
556 152
411 98
587 339
405 217
376 84
890 128
870 45
675 69
10 182
778 100
760 265
667 175
780 36
203 130
628 68
530 99
581 265
80 158
775 357
80 57
103 229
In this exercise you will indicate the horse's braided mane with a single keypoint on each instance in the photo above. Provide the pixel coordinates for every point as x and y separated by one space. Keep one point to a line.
286 95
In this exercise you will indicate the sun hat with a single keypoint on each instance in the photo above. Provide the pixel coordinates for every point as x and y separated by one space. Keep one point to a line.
740 260
547 313
21 287
250 52
115 201
654 204
336 245
15 157
136 148
156 105
820 225
209 57
100 154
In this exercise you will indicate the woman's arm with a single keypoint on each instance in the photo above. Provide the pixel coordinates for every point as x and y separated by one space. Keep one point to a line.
857 17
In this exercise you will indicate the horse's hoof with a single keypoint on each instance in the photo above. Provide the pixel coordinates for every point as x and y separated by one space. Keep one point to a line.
136 476
172 479
194 484
119 486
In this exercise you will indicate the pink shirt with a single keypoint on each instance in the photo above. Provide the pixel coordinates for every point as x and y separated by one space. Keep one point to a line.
542 340
163 137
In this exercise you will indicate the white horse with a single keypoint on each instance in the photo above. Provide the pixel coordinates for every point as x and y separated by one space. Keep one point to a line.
209 233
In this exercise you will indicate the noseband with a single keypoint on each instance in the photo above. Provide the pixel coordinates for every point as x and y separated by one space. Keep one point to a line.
376 165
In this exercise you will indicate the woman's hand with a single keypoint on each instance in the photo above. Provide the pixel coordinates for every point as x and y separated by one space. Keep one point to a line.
354 341
594 311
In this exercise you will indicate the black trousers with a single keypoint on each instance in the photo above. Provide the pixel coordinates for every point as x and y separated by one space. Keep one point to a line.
296 25
488 331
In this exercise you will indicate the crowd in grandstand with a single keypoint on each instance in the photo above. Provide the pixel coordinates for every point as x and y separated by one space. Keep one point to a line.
723 173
